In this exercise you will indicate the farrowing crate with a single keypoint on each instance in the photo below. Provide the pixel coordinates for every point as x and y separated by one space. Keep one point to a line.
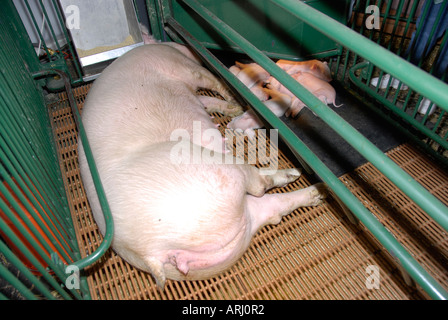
386 217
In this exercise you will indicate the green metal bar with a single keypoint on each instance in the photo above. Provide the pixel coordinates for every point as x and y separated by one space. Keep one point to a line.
28 158
429 133
33 169
433 29
342 75
8 276
394 65
408 24
27 253
443 43
136 9
430 204
34 126
26 135
397 20
27 182
386 15
37 28
12 217
12 24
439 121
421 81
107 239
44 11
69 43
408 135
154 19
25 272
404 258
30 133
40 200
371 34
38 219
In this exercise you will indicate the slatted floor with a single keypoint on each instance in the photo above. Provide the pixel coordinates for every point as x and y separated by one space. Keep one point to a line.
314 253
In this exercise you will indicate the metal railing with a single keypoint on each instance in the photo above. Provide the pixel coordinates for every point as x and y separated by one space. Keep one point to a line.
398 33
35 221
36 226
20 171
396 66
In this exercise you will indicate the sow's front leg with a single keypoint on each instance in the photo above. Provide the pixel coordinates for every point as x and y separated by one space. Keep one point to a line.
212 104
198 77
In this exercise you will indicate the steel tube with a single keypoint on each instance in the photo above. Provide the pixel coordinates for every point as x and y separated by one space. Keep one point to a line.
107 239
422 82
352 136
430 204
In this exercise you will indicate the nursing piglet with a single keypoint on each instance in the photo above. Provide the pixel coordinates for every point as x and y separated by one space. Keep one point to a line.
317 68
174 217
252 76
318 87
278 103
251 73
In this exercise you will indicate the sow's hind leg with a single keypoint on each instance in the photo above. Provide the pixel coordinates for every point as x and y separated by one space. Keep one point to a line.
260 208
259 211
267 209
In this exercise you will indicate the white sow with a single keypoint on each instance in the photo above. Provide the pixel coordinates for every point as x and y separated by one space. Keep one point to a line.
174 219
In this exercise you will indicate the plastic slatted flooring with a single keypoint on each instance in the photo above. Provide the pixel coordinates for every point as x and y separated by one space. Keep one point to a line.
314 253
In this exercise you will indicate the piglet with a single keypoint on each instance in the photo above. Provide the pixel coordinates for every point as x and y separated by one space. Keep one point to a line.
175 216
251 73
252 76
278 103
317 68
318 87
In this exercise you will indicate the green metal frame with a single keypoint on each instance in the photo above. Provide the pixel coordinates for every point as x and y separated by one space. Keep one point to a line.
433 88
165 26
29 166
108 235
273 31
56 59
392 106
360 72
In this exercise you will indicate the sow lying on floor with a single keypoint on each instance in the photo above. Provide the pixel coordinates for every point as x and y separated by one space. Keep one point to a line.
173 218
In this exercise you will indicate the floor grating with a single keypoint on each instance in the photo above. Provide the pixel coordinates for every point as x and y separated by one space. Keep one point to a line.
314 253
